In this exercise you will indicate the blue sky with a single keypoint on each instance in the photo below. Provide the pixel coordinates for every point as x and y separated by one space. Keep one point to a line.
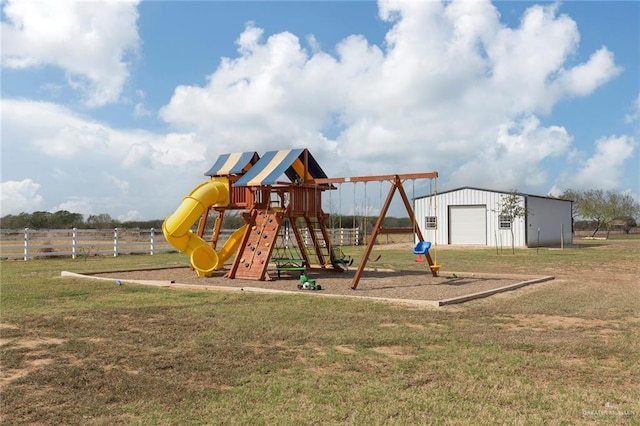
120 107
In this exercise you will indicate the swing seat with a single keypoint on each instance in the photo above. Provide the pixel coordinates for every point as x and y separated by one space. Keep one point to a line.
343 262
340 258
422 247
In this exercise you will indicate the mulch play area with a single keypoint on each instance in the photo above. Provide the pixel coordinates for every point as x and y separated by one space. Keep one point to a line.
410 287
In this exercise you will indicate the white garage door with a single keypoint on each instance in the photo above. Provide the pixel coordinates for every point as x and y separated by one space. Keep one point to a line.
468 225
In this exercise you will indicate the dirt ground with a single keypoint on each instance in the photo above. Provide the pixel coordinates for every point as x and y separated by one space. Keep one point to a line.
381 283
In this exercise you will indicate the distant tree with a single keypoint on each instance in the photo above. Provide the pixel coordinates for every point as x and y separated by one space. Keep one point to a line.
142 224
19 221
65 219
602 208
511 208
397 222
40 220
575 196
624 224
583 225
101 221
628 223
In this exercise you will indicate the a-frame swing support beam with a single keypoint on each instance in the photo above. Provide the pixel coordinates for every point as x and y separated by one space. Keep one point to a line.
396 184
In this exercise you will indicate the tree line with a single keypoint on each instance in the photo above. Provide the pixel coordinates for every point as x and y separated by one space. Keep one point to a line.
594 209
64 219
600 210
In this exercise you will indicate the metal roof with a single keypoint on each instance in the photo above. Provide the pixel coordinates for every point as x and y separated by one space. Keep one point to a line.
488 190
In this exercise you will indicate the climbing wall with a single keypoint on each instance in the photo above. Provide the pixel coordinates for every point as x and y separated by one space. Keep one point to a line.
253 256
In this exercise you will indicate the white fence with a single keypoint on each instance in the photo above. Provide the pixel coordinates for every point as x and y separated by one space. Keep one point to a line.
338 236
30 244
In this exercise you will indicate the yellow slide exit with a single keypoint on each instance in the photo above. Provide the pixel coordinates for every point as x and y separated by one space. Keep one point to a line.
177 227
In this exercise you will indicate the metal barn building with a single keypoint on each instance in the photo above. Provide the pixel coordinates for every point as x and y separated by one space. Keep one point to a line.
471 216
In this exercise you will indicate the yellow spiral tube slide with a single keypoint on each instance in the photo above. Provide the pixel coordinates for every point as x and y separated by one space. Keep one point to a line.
177 227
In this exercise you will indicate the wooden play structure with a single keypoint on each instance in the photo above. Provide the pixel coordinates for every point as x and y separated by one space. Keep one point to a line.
279 193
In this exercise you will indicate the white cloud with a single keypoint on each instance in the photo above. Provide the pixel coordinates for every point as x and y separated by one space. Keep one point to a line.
603 170
88 40
72 157
63 134
260 99
453 85
22 196
131 215
516 158
585 78
140 111
635 115
83 206
120 184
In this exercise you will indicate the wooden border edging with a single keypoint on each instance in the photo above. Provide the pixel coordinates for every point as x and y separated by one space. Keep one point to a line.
487 293
415 302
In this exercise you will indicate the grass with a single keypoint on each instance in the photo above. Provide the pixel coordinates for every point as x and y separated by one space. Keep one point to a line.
90 352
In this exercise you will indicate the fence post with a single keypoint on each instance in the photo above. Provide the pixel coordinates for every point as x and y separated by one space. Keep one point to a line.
115 242
26 244
152 241
74 243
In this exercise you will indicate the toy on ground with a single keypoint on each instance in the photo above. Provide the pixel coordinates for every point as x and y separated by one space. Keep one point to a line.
307 284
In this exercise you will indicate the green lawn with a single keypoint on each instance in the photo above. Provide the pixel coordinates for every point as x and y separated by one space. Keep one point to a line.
90 352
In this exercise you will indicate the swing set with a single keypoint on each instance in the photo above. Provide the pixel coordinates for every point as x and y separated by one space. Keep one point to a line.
397 184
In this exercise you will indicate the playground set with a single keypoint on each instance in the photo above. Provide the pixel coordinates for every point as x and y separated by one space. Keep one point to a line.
278 194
